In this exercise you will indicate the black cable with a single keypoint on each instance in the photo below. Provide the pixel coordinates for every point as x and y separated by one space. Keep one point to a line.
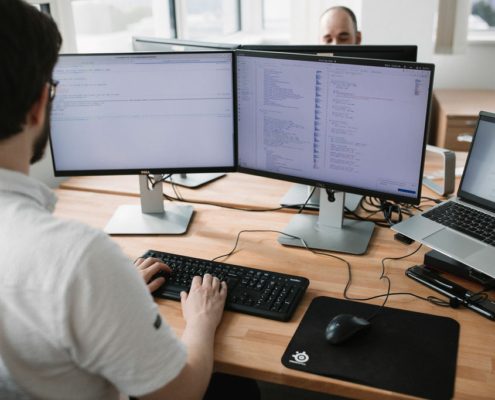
431 299
358 217
389 209
152 181
437 201
257 231
307 200
383 276
179 197
477 297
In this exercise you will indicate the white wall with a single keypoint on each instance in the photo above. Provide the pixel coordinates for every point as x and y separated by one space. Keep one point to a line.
400 22
414 22
472 70
405 22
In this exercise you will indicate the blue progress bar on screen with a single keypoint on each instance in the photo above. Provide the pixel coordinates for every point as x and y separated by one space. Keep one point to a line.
407 191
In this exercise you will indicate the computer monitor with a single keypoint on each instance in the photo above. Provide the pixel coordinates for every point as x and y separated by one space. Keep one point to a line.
145 43
302 194
156 44
144 114
381 52
352 125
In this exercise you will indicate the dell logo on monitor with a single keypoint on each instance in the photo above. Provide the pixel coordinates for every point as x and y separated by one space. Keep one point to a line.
144 172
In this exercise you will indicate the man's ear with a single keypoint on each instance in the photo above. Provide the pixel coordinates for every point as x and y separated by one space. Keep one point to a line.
358 37
36 115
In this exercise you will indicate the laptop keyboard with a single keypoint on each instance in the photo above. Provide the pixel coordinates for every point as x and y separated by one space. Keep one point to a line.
252 291
464 219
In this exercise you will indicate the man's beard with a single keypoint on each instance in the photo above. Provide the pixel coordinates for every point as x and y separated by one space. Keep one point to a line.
41 141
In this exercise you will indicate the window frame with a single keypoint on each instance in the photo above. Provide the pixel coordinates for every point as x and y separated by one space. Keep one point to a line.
478 36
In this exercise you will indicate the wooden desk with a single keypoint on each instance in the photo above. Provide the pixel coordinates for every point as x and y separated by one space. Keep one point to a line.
252 347
236 189
455 113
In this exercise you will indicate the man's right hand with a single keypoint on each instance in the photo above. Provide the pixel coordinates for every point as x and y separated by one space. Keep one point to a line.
202 309
203 306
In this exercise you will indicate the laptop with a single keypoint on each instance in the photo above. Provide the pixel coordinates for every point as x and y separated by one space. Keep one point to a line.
463 228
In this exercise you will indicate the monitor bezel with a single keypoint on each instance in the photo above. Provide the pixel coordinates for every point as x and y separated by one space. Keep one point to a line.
464 195
330 185
208 46
157 171
406 52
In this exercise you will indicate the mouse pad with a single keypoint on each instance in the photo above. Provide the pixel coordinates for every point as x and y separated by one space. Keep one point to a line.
402 351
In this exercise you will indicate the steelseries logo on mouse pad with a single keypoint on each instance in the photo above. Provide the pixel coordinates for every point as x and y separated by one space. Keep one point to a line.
300 358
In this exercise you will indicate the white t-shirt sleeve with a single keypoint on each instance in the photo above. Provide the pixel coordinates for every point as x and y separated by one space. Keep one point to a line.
113 326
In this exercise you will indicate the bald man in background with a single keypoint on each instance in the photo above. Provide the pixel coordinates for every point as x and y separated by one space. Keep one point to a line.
338 25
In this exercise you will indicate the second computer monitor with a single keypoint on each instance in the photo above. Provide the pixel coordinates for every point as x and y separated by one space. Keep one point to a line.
144 114
354 125
380 52
302 194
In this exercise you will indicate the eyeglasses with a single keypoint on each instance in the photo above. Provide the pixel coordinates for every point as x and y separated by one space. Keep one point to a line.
53 88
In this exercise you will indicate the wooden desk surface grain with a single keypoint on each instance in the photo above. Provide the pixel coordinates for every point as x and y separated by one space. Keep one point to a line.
234 189
253 347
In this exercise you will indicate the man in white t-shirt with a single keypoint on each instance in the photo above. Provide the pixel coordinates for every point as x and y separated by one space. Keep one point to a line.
77 320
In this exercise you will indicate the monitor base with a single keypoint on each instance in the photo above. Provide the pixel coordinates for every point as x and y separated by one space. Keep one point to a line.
298 194
130 220
353 237
193 180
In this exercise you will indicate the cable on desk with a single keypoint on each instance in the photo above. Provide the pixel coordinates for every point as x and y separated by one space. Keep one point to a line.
356 216
436 201
388 208
152 181
226 255
431 299
307 200
179 197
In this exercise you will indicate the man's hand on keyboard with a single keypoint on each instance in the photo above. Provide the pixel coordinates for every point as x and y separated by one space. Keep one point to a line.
203 306
153 271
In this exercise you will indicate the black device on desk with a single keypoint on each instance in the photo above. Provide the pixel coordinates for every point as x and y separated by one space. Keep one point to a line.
441 263
455 292
251 291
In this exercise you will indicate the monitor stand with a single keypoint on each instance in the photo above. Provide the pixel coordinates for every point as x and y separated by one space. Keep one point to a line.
329 230
151 218
193 180
298 194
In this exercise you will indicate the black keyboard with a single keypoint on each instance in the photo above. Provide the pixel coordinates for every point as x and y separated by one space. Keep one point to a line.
251 291
464 219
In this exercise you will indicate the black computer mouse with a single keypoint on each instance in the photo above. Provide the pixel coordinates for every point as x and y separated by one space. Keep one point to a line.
344 326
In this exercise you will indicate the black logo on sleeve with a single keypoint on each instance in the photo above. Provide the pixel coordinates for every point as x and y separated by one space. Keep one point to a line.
158 322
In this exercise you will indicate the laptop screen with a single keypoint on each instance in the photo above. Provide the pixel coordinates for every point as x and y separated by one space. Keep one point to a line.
478 182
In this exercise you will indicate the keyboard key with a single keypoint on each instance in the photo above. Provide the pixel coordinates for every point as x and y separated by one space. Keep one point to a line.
464 219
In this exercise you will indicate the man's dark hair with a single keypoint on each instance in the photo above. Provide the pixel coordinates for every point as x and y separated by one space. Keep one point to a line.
348 11
29 46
